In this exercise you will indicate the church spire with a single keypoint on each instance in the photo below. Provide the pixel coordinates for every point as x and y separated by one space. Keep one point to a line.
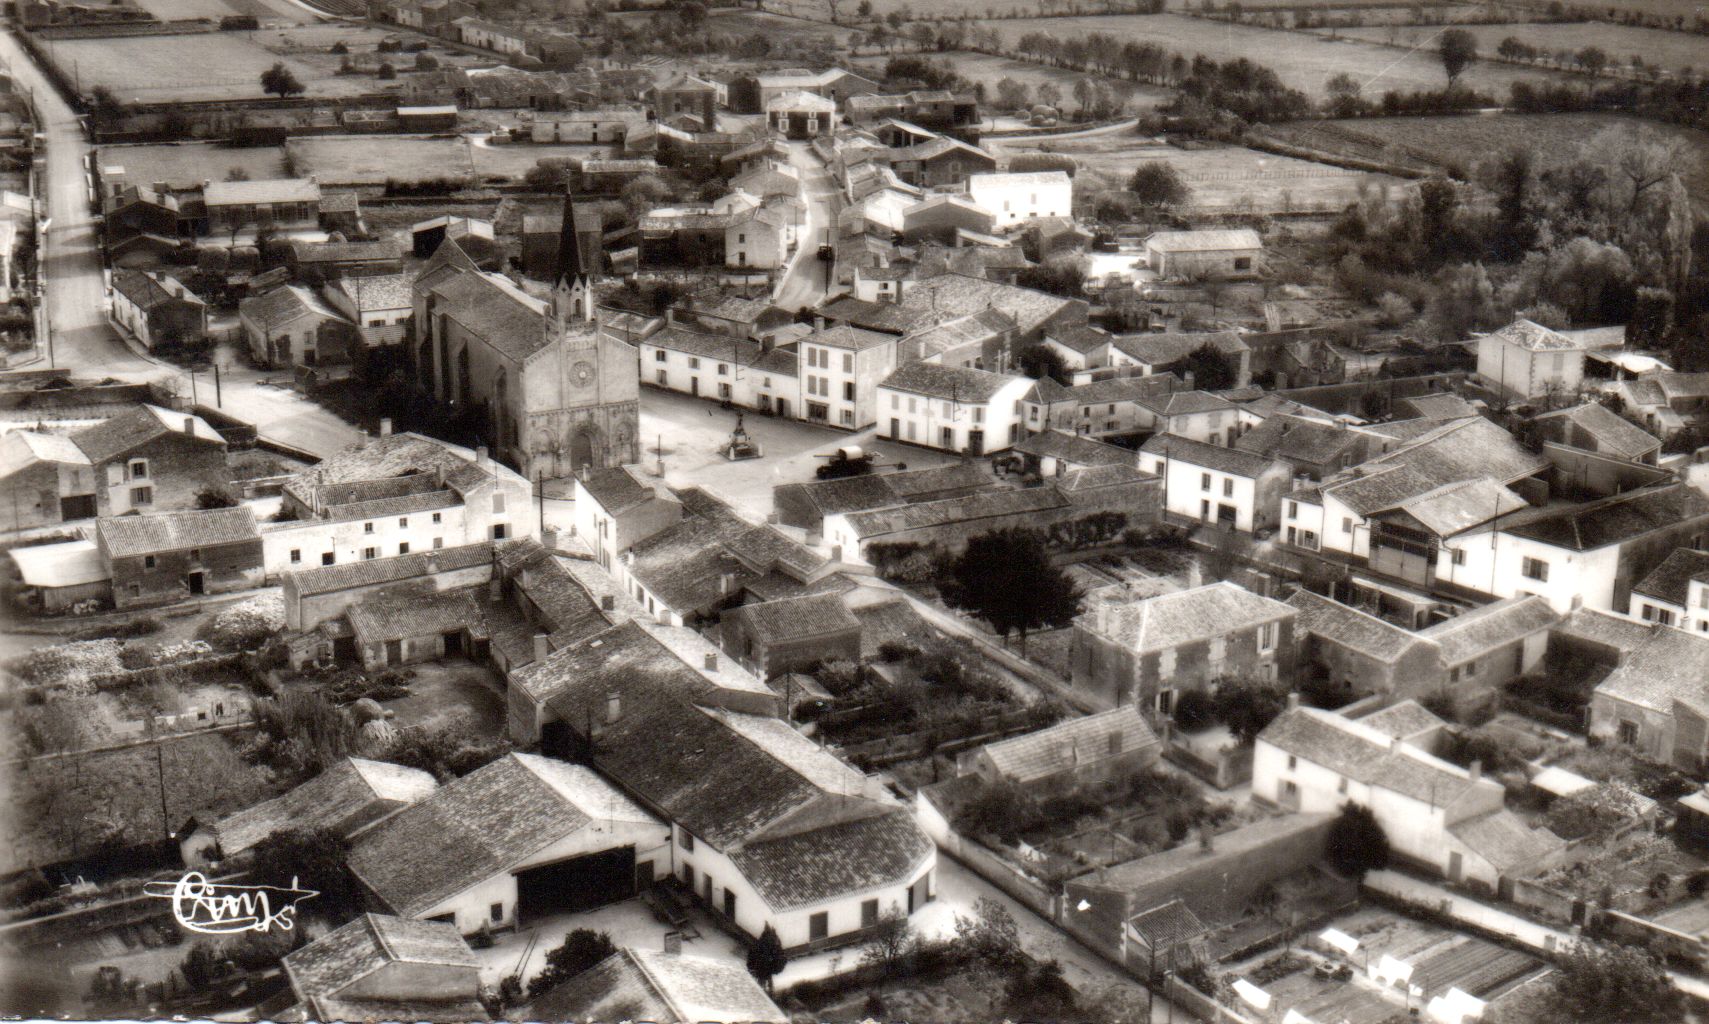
573 285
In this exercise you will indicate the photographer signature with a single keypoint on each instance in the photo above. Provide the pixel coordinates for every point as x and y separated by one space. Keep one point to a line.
213 909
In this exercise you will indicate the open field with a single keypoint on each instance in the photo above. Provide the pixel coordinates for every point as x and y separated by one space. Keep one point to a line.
190 164
269 11
372 159
1670 50
213 65
991 69
515 159
1303 61
1223 179
1552 139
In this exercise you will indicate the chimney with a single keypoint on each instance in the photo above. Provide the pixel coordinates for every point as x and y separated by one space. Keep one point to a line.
673 943
836 552
495 588
481 455
1293 700
160 186
773 518
432 565
608 602
1187 379
190 425
541 647
726 582
1475 770
1194 577
711 662
1115 742
818 325
1106 611
385 426
613 707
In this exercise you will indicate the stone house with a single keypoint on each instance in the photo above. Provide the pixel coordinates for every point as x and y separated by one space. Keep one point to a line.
156 308
1657 700
151 458
291 326
792 634
47 479
1098 747
380 966
1224 253
157 559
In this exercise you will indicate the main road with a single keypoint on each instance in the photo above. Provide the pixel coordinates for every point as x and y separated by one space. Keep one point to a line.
83 341
804 281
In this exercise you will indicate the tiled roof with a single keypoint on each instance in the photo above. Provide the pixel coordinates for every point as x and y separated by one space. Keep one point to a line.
1210 456
149 289
380 250
1019 179
1166 349
797 618
1404 720
1366 755
961 295
388 467
246 193
1082 451
885 316
1605 629
136 427
1299 440
1612 433
1204 241
891 621
618 489
502 316
856 493
22 448
1457 507
1079 337
1477 632
1671 580
1615 519
459 1010
482 825
282 305
805 868
1510 845
951 383
1439 406
345 956
397 616
1535 337
845 336
1463 449
1088 477
965 509
1168 925
668 988
705 344
385 291
1352 628
1669 665
1167 621
350 795
129 536
1078 741
1184 403
1111 389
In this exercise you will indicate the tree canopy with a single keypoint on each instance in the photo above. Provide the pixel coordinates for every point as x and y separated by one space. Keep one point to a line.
314 859
1007 578
1357 843
1158 185
1457 48
765 957
580 950
279 81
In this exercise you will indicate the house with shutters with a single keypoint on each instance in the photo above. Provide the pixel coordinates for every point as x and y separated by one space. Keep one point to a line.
1195 415
292 326
1656 700
1021 197
1526 360
952 408
1676 592
48 478
1211 483
146 459
157 308
1097 747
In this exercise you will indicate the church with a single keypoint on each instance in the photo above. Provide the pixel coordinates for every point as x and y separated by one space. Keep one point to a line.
551 391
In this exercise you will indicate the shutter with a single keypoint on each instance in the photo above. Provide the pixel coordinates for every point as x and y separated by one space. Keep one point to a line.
115 474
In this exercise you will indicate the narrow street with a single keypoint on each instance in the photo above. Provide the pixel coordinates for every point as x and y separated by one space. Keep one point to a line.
804 283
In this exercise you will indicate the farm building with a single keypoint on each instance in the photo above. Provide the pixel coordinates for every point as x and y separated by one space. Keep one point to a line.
1216 253
1096 747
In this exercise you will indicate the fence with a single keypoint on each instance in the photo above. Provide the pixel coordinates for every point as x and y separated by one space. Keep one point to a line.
1206 1008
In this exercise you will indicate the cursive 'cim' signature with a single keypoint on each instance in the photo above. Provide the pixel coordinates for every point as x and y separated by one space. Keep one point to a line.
203 906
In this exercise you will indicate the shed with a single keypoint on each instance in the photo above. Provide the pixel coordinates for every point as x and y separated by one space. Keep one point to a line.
61 575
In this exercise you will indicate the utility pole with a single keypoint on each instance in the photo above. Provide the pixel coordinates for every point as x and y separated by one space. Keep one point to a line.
160 774
219 402
540 489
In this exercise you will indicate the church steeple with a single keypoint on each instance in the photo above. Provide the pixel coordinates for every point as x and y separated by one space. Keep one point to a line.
572 284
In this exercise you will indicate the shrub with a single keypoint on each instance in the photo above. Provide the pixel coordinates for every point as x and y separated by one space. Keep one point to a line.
580 950
1194 710
73 664
386 72
144 625
247 625
1357 844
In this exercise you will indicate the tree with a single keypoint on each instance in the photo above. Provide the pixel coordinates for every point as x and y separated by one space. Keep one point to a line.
1158 185
425 61
1007 578
103 104
765 957
1248 708
1048 94
1457 48
314 859
387 72
1041 361
643 194
279 81
1613 984
215 497
1063 275
990 936
1356 843
1652 315
1209 368
890 943
1593 814
580 950
1011 95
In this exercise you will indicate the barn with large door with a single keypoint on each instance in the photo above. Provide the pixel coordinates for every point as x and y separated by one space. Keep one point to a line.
523 838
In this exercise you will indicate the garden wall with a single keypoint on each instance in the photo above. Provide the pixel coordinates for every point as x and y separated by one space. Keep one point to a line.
984 863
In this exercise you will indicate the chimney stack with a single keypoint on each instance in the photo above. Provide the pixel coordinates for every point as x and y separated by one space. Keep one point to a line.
190 425
608 602
818 325
541 648
711 662
481 455
1475 770
432 565
673 943
385 426
613 707
1293 699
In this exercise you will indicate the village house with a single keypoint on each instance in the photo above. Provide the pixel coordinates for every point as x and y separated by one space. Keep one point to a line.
753 93
1209 483
801 115
1147 651
597 127
1593 427
1439 816
380 966
805 505
348 797
1098 409
158 559
842 368
1163 353
379 306
1221 253
1053 453
47 478
1312 448
584 845
792 634
1484 648
1098 747
722 368
683 94
943 218
1195 415
1080 347
1666 402
145 459
318 594
319 262
769 828
1018 198
1525 360
618 507
1676 592
939 162
952 408
157 308
667 986
252 206
962 341
1356 654
291 326
1656 701
397 494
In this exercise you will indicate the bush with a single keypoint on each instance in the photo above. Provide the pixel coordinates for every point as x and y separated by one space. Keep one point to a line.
580 950
1357 844
1194 710
247 625
74 664
143 625
387 72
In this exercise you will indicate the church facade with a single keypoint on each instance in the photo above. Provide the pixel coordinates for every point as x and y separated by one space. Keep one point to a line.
548 390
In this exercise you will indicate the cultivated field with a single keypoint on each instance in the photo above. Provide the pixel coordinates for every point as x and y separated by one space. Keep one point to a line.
1552 139
1223 179
189 164
373 159
515 159
989 69
269 11
203 66
1303 61
1670 50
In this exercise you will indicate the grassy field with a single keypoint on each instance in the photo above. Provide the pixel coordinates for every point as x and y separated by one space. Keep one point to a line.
1223 179
984 67
190 164
214 65
1552 139
1671 50
1303 61
371 160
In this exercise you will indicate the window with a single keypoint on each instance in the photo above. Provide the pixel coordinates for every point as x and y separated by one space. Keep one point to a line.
498 501
1534 569
1267 636
1346 524
658 355
1341 787
403 548
403 523
868 913
1219 648
367 527
895 400
142 495
296 555
497 911
500 531
139 469
1457 556
195 554
848 391
1204 481
1293 510
148 561
684 839
847 417
1664 616
661 379
436 519
1293 762
328 558
688 875
1243 263
1228 487
369 554
818 926
693 363
1628 732
723 369
848 362
1166 663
